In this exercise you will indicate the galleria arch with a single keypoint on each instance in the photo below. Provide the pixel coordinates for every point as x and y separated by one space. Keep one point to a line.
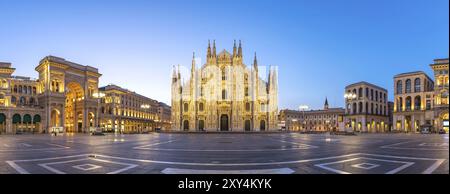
69 90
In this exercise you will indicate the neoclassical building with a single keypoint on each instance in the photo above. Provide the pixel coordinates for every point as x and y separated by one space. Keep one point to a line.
413 101
323 120
420 101
224 95
366 108
66 98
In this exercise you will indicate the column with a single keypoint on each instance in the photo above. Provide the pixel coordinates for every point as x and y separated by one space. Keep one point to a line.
85 120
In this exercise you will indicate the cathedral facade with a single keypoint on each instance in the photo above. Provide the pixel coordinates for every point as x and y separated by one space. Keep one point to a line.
225 95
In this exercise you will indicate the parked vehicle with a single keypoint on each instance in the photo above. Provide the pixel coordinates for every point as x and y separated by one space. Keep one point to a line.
426 128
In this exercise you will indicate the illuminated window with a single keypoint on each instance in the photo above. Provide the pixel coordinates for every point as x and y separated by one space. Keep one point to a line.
417 103
408 103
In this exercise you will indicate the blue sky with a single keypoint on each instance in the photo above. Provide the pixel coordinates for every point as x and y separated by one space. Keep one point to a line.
319 46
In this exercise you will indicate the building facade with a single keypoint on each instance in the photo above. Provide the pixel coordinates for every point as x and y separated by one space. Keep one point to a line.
65 98
165 114
441 98
421 103
327 119
20 110
366 108
413 104
224 95
125 111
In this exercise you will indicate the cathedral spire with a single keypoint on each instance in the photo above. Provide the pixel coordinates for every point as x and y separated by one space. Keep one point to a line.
325 106
214 49
240 49
193 62
234 49
208 50
178 72
174 73
255 63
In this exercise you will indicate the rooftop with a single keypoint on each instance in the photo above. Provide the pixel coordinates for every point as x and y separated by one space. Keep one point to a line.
69 63
365 83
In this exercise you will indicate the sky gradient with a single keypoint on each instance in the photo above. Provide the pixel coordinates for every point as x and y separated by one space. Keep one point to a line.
319 46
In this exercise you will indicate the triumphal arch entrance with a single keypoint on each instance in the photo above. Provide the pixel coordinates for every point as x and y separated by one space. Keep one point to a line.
68 93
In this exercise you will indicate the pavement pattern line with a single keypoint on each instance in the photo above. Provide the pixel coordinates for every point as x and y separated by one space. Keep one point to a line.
393 146
429 170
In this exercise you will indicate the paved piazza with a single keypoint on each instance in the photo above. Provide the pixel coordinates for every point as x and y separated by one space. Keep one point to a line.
272 153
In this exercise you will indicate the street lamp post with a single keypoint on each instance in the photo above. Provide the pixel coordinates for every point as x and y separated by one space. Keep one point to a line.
349 97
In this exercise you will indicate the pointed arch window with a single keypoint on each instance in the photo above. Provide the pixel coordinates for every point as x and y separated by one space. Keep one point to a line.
224 77
224 94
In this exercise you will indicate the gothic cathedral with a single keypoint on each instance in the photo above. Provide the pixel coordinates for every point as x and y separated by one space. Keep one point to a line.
225 95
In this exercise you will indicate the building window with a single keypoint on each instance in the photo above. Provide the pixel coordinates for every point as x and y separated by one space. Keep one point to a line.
200 106
367 92
376 95
246 91
224 94
399 104
247 106
408 103
371 94
22 100
399 87
223 74
360 92
360 107
417 85
408 86
428 105
186 107
417 103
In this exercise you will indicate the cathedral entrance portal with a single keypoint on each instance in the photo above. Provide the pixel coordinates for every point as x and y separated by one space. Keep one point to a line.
247 125
224 123
262 125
